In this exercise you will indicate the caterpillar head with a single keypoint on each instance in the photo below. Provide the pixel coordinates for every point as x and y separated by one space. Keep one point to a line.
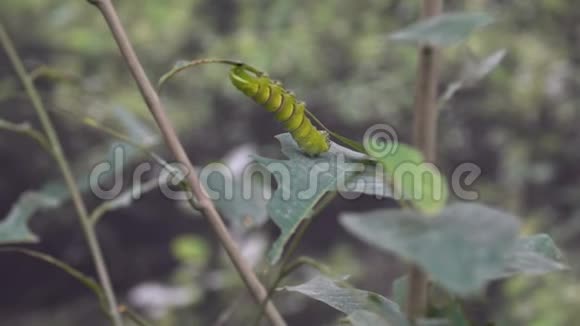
244 80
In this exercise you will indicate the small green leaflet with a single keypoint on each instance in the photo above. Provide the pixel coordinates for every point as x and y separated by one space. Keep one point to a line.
14 227
443 30
412 179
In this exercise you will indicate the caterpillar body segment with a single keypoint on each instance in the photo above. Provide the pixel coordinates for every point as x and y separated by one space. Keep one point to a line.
287 110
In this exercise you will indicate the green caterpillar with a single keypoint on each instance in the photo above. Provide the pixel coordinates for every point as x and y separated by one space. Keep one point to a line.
284 105
287 110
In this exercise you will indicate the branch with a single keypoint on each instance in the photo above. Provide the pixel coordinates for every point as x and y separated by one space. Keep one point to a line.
57 152
26 129
203 202
424 138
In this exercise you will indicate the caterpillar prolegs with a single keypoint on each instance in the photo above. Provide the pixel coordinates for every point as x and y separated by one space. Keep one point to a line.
286 109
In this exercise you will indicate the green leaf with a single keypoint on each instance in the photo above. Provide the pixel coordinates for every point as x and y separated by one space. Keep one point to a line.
304 180
392 159
412 178
14 227
244 202
534 255
243 210
238 188
462 249
75 273
350 301
443 30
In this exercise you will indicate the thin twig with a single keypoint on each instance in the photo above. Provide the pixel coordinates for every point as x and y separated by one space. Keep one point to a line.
225 315
65 169
424 138
203 202
133 316
26 129
305 261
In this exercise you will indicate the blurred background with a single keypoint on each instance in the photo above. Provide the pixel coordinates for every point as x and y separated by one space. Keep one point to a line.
519 125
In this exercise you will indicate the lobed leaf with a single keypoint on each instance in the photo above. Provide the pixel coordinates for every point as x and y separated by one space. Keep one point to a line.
304 180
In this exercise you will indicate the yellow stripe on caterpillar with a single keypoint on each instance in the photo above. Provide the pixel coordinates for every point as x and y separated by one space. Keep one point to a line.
285 107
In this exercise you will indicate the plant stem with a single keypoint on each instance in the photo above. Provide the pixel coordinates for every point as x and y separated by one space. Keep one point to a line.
203 202
279 274
424 138
134 316
281 271
302 261
65 169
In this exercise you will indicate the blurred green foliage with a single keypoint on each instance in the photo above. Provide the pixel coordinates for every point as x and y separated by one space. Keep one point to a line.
520 125
190 249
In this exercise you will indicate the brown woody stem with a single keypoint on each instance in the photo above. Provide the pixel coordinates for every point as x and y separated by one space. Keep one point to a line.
203 202
425 139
